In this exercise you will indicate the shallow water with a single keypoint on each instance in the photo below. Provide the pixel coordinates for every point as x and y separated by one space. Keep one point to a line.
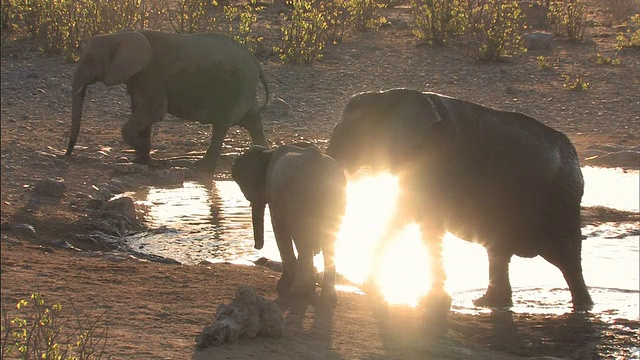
194 223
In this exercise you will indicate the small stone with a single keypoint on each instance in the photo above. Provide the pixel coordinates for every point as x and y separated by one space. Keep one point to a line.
49 187
537 40
123 205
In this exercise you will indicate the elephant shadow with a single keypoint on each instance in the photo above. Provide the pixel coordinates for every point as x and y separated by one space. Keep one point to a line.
572 335
299 310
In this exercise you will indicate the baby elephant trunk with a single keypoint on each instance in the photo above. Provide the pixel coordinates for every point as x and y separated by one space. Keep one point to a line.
257 217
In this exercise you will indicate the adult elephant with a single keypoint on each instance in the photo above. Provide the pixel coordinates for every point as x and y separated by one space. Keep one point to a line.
306 194
208 78
498 178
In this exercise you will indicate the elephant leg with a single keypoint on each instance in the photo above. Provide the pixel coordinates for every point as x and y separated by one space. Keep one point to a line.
437 302
138 135
570 263
395 225
252 121
285 247
328 295
304 283
137 130
499 290
210 160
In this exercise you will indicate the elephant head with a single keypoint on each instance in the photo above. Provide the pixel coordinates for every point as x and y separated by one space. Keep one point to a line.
112 59
381 129
249 171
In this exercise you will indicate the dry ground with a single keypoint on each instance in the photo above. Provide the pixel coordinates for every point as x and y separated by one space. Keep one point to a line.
155 310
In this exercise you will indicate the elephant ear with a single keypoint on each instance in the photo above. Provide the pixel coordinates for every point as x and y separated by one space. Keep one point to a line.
249 171
132 53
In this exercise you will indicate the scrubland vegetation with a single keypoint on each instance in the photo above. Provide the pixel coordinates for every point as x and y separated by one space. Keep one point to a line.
490 29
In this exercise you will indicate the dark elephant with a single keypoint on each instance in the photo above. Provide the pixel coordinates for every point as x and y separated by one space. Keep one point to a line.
498 178
209 78
306 194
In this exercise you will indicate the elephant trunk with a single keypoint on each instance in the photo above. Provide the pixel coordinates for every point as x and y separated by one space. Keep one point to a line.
79 90
257 217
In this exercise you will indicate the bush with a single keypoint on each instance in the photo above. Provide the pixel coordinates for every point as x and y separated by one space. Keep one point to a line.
190 16
41 331
240 20
569 18
437 20
606 60
338 18
59 26
629 40
366 14
303 36
543 64
576 84
494 29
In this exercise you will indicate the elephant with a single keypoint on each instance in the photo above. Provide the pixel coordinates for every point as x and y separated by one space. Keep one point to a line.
306 193
208 77
499 178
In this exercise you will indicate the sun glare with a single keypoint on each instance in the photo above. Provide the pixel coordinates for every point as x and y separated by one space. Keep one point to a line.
402 273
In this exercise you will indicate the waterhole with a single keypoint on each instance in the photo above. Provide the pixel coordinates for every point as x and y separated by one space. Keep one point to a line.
211 222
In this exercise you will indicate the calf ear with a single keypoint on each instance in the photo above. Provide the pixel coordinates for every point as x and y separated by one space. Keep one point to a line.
132 53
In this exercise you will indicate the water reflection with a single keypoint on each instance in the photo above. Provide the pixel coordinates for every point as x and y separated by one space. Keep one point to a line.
213 223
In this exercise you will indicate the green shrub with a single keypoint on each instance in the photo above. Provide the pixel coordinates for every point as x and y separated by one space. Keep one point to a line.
494 28
606 60
191 16
240 20
569 18
436 20
59 26
366 14
303 36
543 64
338 19
41 331
575 84
629 40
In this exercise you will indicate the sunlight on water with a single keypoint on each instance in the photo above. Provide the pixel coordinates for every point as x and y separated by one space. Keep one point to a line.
194 223
614 188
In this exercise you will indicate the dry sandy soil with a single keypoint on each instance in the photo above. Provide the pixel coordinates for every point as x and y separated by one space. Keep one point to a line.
154 310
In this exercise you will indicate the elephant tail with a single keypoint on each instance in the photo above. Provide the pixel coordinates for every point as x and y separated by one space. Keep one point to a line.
266 88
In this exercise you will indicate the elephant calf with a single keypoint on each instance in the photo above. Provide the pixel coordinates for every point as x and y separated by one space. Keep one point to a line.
498 178
306 194
209 78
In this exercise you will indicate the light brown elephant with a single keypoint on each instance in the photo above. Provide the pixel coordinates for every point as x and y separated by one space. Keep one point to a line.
306 194
209 78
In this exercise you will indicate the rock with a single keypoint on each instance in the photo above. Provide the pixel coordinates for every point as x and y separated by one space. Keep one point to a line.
537 40
249 314
50 187
123 205
22 229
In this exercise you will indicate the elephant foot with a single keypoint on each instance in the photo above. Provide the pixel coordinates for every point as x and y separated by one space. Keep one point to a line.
436 302
329 297
494 299
582 303
284 285
306 291
142 159
205 165
371 288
